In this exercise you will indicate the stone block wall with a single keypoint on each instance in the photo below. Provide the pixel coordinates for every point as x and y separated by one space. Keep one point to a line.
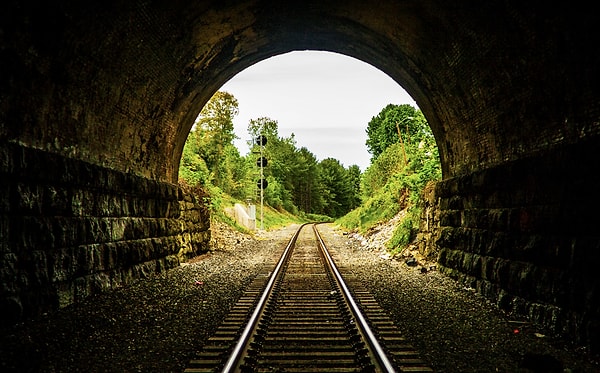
70 229
194 237
429 223
525 235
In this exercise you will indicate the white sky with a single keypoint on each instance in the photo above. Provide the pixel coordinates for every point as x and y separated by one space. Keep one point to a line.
325 99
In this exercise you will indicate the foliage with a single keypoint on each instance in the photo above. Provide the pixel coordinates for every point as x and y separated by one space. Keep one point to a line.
377 175
337 186
414 159
354 177
192 167
274 218
405 158
405 232
393 123
308 190
298 183
213 134
386 202
300 187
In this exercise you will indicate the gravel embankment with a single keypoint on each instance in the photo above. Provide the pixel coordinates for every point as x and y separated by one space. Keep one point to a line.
154 325
157 324
455 329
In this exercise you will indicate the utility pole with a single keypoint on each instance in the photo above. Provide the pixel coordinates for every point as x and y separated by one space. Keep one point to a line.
261 162
262 189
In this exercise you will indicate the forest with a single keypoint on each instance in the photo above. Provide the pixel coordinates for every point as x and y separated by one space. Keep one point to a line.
404 158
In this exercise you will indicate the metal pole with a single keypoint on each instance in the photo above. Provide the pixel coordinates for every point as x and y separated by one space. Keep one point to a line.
262 175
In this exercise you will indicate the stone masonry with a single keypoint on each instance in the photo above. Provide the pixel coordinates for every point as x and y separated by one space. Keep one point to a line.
69 229
522 235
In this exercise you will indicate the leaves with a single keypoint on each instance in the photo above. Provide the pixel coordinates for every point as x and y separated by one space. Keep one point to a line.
298 182
405 158
395 123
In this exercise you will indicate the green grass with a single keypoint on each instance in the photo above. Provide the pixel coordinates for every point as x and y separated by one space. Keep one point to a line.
405 232
381 207
273 218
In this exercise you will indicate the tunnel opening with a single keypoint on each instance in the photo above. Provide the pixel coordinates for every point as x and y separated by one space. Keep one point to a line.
97 105
309 101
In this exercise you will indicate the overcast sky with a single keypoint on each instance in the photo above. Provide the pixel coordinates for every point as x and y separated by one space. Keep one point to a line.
325 99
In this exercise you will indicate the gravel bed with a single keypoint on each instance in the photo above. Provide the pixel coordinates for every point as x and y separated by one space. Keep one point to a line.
158 323
455 329
153 325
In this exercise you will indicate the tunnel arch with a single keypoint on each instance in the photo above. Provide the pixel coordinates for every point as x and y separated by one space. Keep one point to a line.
283 47
96 101
148 68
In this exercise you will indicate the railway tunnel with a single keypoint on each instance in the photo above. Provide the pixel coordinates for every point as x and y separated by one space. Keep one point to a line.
97 99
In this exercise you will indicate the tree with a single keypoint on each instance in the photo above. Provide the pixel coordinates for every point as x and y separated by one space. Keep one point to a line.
395 123
296 180
209 157
307 188
354 176
336 188
279 153
263 126
234 176
192 167
214 128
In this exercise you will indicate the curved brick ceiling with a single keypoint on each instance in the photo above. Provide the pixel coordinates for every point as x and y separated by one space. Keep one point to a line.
119 83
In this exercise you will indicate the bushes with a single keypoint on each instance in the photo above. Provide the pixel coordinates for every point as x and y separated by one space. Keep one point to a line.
405 232
404 163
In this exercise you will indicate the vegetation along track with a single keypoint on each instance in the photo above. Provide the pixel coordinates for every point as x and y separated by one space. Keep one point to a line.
303 317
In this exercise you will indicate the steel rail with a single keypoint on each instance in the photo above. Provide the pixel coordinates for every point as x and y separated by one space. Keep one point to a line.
242 344
374 346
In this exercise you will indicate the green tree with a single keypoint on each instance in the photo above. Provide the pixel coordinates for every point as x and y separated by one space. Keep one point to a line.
234 176
386 165
336 188
279 153
395 123
306 179
354 176
209 158
402 165
192 167
263 126
214 127
296 180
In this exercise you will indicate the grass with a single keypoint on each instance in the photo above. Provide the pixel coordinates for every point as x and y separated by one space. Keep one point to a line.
272 218
381 207
377 209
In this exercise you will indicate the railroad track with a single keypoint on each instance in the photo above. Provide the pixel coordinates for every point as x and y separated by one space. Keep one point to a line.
301 316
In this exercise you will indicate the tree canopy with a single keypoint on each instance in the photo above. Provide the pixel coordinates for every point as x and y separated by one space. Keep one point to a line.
297 181
395 123
404 158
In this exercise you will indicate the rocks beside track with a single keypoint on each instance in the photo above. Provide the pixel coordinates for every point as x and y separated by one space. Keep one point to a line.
157 324
375 240
454 328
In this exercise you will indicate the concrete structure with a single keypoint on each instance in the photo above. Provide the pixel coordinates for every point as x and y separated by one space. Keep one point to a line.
243 215
97 99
